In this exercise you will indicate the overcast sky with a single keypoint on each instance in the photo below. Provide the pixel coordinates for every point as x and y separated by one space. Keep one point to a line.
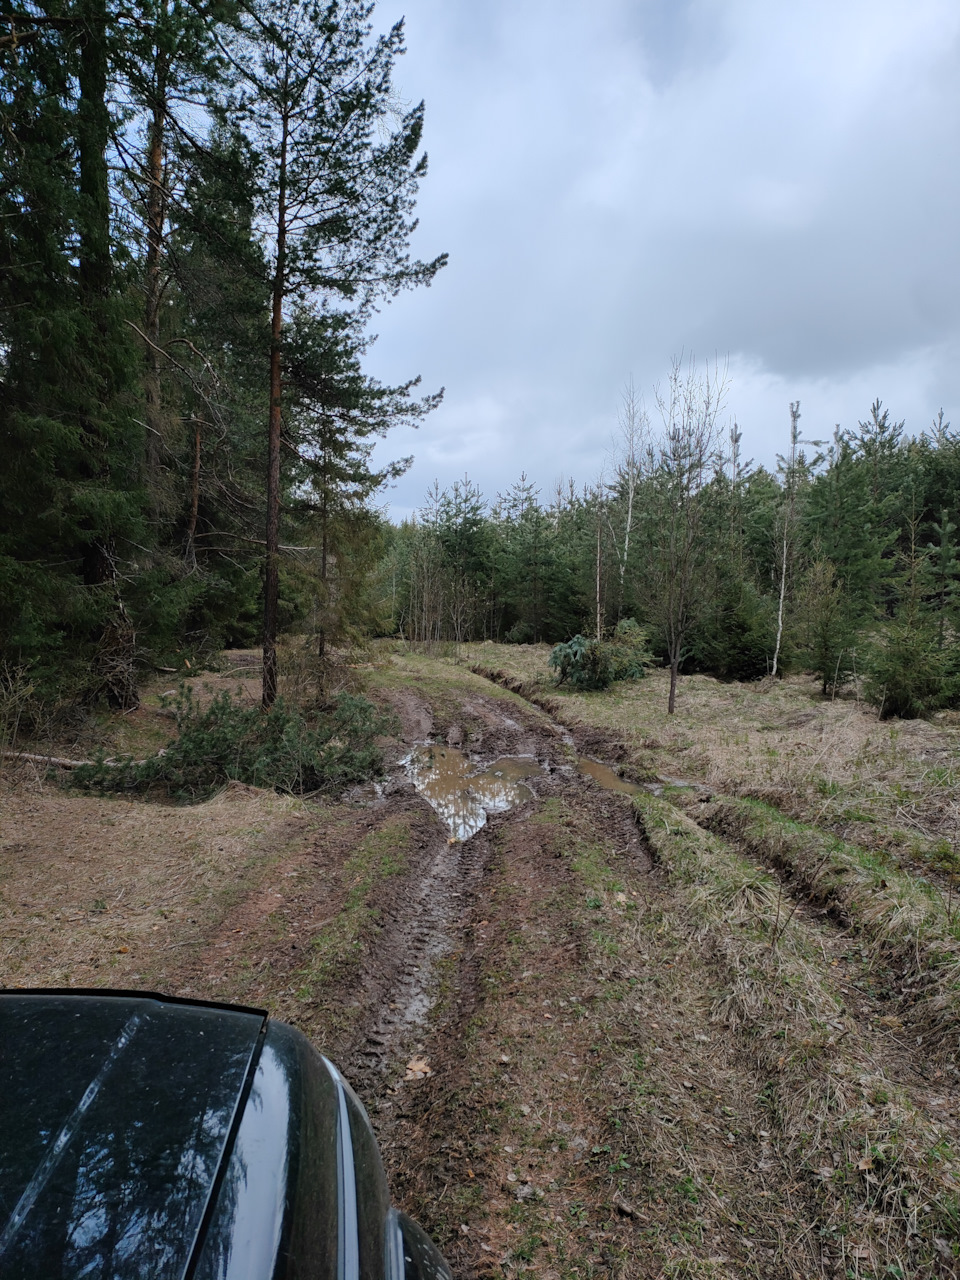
774 182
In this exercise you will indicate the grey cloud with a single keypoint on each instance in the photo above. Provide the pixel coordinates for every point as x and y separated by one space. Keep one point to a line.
619 184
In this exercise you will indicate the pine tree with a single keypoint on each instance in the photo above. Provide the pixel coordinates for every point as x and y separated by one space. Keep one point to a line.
944 573
853 534
826 625
337 185
335 415
167 62
464 534
527 570
911 671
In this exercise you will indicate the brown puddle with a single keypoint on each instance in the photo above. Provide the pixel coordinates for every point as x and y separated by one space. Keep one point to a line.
611 780
462 798
607 777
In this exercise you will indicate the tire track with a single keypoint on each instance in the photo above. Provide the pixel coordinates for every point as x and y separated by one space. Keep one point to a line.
420 928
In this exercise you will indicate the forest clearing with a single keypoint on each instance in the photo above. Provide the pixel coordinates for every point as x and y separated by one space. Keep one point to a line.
706 1029
600 825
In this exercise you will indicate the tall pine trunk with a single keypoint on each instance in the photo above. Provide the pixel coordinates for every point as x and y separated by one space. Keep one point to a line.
271 574
93 135
114 661
324 555
156 211
94 266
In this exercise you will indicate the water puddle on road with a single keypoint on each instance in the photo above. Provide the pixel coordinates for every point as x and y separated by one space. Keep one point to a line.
463 798
610 780
607 777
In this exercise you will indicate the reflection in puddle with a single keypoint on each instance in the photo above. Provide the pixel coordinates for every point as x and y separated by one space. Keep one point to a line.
463 799
607 777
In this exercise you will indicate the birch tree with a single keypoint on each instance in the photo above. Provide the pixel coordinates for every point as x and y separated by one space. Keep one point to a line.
787 519
633 427
680 462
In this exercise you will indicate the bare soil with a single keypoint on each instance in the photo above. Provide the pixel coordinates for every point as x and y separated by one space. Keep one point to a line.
586 1050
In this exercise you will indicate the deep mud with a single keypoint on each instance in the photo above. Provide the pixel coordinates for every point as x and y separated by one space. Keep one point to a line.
517 756
419 926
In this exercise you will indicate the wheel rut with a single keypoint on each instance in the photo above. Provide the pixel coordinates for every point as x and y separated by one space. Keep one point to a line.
420 928
432 916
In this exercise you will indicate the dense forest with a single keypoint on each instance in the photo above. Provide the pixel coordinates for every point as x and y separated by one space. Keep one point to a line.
201 207
843 562
202 204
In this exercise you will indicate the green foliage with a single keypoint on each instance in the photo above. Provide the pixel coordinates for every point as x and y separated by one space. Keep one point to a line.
735 638
853 518
872 501
827 631
225 742
121 543
132 506
909 674
943 568
521 632
532 568
596 664
585 663
912 669
629 652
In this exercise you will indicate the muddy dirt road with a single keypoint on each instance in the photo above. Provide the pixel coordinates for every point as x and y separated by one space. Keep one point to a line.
605 1035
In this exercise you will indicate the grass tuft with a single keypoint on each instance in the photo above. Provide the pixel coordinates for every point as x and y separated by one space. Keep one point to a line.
883 1173
907 920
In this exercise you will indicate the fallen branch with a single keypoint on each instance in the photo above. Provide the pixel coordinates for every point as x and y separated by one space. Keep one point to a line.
58 761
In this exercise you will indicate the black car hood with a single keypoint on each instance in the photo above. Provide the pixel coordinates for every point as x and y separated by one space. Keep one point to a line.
114 1129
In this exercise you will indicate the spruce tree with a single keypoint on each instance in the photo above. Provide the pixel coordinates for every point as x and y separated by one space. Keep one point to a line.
825 625
70 486
167 63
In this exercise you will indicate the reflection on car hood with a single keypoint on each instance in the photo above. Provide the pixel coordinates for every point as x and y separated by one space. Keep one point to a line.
114 1127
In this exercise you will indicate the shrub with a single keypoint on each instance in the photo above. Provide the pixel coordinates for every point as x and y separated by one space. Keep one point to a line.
629 652
592 664
225 742
736 637
520 633
585 663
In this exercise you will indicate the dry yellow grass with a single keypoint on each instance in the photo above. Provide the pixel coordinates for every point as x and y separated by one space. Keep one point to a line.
885 1171
827 761
105 892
